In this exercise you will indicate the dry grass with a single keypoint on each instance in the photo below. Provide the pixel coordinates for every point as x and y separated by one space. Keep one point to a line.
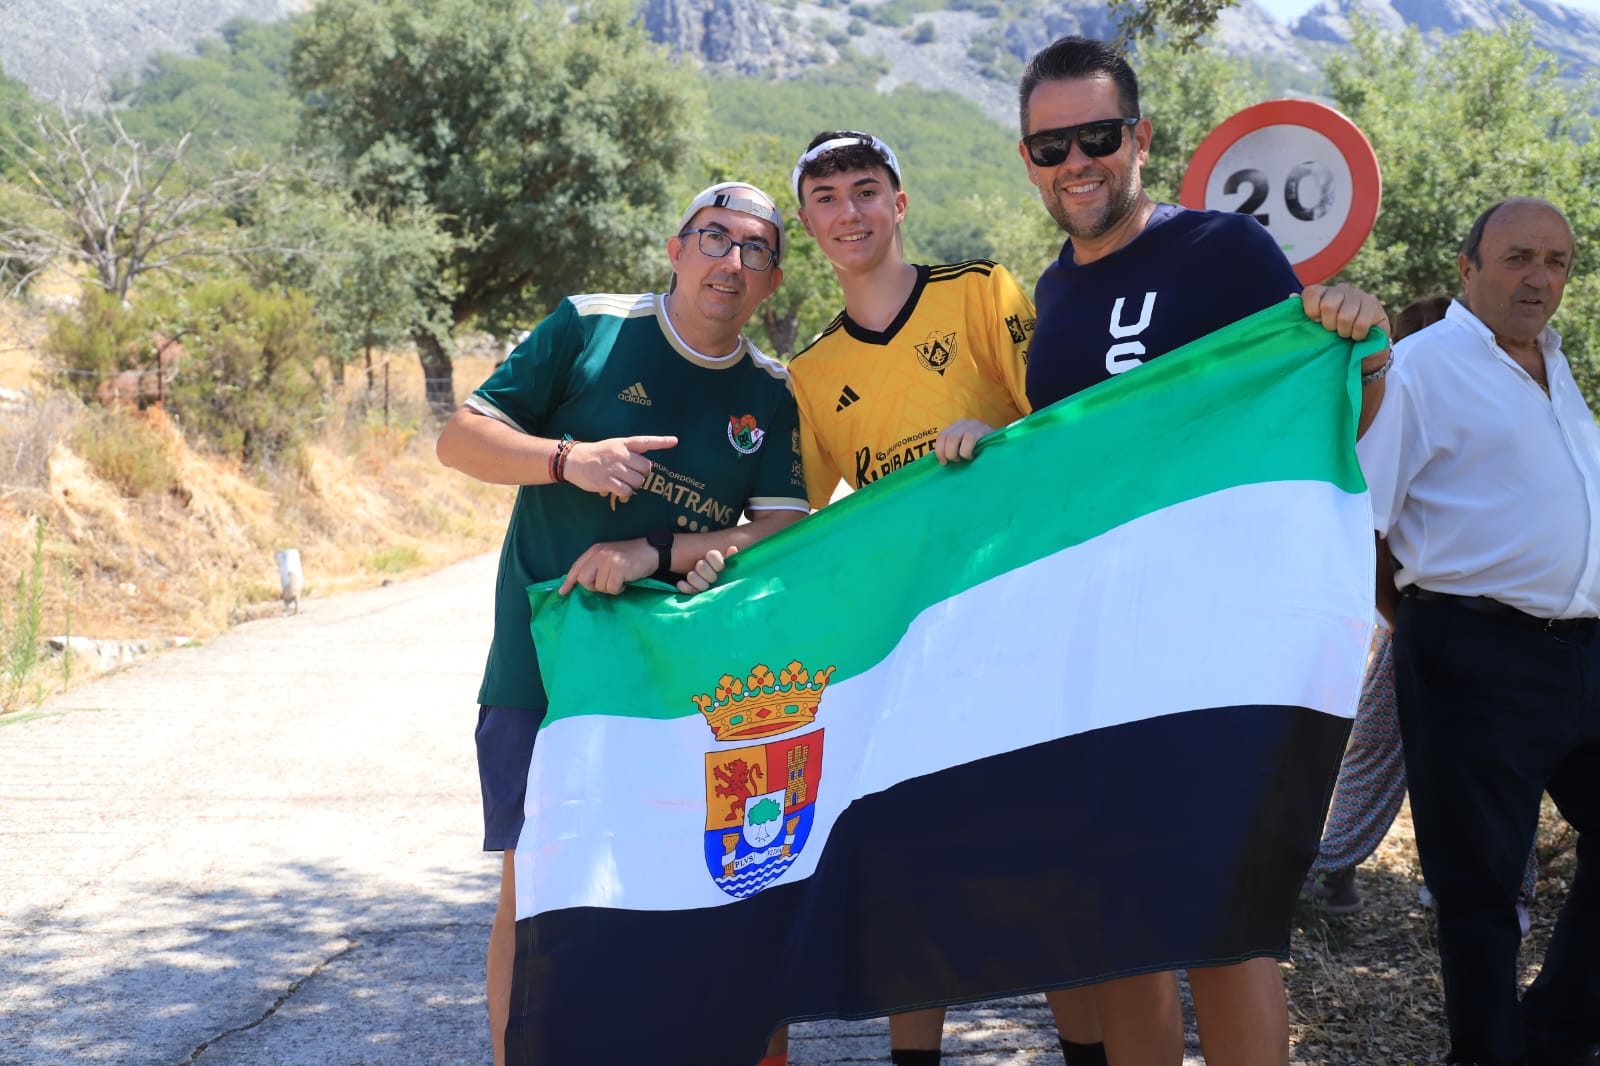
21 333
1364 989
132 450
190 554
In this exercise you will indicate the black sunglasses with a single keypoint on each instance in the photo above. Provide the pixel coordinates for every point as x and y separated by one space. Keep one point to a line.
1050 148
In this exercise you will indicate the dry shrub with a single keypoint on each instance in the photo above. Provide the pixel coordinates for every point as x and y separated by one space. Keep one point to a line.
27 440
249 387
126 450
93 338
19 626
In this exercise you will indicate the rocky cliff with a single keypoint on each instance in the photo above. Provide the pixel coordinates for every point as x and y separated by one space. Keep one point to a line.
1571 34
73 46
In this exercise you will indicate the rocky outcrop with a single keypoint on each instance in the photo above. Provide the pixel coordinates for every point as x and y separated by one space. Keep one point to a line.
738 36
1249 30
1089 20
1573 35
1329 21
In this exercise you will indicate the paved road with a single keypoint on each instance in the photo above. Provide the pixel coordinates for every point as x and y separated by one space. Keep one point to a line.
265 851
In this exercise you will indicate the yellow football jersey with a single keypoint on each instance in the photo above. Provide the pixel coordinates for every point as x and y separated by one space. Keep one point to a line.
871 402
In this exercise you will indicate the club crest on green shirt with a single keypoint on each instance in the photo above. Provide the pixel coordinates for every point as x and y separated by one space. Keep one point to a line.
744 434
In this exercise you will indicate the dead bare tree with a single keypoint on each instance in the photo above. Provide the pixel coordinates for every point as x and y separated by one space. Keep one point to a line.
94 195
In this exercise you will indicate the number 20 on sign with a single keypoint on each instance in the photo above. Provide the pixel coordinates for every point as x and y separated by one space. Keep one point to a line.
1303 170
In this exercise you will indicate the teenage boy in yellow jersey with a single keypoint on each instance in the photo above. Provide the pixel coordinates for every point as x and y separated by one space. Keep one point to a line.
923 360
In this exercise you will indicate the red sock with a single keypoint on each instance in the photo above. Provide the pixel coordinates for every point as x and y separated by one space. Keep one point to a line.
781 1059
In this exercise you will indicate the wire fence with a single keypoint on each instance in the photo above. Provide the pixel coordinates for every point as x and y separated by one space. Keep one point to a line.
391 386
35 420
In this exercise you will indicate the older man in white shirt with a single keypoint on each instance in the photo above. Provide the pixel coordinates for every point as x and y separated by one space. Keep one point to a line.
1484 466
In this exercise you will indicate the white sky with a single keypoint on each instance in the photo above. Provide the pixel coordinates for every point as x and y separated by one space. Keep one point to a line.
1286 10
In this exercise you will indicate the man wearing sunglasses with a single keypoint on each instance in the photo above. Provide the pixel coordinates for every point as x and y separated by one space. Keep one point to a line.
1134 280
637 429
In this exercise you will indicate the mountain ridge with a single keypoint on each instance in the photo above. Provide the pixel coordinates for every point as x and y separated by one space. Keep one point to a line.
75 48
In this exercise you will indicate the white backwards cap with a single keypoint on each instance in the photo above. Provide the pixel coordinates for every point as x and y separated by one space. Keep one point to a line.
755 202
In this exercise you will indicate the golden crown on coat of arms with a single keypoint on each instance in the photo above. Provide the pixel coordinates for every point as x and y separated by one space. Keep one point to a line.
761 704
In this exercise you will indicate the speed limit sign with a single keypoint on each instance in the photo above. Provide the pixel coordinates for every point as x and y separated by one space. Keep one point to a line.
1303 170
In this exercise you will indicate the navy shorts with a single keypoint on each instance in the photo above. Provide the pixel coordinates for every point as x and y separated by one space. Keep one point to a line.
505 748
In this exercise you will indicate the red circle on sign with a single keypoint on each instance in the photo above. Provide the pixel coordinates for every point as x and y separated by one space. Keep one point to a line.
1366 185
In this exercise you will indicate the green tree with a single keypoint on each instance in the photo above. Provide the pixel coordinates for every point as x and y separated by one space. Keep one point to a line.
19 262
249 386
1186 94
1183 22
545 142
1579 323
15 107
375 281
236 89
1460 124
378 285
1026 239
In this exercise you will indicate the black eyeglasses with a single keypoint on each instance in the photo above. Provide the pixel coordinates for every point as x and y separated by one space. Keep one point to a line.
716 244
1050 148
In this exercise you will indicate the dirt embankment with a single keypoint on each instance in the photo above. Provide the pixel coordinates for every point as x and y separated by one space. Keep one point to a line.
366 501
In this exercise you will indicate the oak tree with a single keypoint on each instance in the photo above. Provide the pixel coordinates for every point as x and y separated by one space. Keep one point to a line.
545 140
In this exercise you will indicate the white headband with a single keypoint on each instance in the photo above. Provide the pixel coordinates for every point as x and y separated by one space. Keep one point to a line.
853 140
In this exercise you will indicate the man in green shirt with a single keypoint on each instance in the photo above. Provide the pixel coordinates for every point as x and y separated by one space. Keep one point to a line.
638 428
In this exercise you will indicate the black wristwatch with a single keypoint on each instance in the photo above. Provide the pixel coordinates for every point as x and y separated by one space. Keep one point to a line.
661 541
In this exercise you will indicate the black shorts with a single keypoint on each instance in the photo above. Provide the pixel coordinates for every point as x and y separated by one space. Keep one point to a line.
505 738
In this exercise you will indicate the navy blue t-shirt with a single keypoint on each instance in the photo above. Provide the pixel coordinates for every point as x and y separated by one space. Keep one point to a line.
1187 274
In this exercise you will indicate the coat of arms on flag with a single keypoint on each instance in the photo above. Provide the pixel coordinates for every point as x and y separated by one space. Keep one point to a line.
759 797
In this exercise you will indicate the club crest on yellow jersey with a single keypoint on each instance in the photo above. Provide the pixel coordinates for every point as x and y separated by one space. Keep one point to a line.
937 351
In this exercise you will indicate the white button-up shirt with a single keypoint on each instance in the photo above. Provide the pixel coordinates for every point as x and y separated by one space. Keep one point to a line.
1482 484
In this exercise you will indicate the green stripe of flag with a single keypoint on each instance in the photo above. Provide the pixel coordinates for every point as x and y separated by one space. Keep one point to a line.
1273 397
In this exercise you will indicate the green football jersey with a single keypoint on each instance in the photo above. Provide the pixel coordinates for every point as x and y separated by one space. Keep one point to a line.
603 366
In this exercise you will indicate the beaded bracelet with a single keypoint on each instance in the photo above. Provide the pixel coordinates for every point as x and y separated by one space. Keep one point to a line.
558 459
